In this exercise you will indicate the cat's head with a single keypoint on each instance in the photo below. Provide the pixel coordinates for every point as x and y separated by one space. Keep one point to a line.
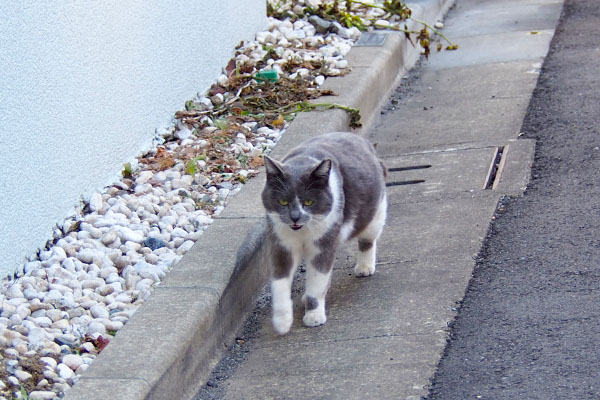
297 191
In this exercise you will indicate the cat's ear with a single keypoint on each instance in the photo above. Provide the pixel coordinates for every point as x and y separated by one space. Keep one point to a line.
273 167
322 170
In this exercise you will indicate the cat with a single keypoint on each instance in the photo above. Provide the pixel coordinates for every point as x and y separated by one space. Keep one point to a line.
329 189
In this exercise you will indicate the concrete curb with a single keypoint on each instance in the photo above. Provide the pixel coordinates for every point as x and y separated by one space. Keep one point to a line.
175 339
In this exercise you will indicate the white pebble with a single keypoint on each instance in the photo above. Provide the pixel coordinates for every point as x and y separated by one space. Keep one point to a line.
99 311
185 247
64 371
41 395
109 237
96 201
22 375
72 361
96 327
131 235
144 177
14 291
51 362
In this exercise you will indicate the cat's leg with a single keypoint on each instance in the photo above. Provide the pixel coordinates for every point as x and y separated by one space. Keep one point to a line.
318 276
367 242
284 266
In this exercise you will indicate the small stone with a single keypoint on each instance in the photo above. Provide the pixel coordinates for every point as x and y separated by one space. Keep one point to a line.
14 291
182 182
60 387
99 311
66 340
22 375
54 314
87 255
92 230
131 235
37 337
50 374
88 347
96 327
179 233
183 133
92 283
41 395
144 177
60 253
109 237
217 99
122 262
105 290
112 325
42 383
96 202
320 24
154 243
43 322
185 247
72 361
64 371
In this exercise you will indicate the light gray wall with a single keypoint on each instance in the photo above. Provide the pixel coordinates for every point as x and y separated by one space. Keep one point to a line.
84 85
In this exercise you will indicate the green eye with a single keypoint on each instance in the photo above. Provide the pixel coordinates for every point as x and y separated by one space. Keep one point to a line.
284 202
308 202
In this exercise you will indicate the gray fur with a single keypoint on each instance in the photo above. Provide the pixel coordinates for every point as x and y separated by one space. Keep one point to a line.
311 303
364 245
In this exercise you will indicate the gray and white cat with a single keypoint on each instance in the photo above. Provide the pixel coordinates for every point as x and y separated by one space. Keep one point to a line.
328 190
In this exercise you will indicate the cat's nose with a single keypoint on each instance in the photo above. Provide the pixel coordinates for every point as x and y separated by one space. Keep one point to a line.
295 215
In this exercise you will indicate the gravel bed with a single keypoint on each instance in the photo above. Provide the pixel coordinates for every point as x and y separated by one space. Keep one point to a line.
73 296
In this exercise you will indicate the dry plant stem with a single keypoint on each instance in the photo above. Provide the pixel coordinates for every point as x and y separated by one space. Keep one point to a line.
436 31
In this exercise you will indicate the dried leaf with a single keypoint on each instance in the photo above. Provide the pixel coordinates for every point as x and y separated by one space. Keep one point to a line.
256 162
230 67
279 121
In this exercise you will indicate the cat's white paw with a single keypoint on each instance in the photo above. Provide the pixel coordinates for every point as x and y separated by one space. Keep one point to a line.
282 322
314 318
364 269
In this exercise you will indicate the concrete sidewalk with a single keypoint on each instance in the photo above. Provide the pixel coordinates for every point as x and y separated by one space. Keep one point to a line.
451 144
384 334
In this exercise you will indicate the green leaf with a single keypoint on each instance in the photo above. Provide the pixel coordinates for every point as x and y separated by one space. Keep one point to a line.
127 170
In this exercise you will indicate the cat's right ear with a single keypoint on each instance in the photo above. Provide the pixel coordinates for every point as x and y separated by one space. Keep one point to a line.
273 167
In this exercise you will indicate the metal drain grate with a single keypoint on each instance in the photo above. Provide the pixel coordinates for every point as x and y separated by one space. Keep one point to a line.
493 175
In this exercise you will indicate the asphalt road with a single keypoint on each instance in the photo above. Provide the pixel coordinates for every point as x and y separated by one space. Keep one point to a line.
529 326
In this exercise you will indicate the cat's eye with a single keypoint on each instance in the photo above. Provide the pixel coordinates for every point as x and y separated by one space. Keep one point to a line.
284 202
308 202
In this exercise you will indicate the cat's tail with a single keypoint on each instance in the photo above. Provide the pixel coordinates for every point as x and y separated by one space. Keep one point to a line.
384 169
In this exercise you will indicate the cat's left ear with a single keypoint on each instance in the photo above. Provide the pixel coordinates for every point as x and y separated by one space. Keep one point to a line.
322 170
273 167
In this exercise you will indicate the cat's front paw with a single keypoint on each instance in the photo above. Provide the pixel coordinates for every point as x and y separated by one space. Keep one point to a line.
314 318
364 269
282 322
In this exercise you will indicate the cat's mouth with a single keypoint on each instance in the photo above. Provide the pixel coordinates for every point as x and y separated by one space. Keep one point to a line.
295 226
